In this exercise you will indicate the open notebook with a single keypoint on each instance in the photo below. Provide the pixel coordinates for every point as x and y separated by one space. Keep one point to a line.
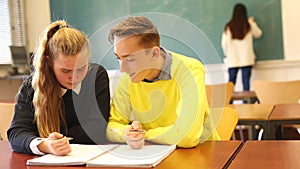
112 155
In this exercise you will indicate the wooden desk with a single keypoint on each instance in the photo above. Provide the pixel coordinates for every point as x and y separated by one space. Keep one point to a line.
248 96
281 115
275 154
217 154
211 154
254 114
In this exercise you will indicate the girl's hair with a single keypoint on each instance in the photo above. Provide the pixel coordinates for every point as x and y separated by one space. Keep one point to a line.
138 26
58 38
239 25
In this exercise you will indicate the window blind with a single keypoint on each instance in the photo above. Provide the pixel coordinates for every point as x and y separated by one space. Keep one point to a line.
12 27
5 33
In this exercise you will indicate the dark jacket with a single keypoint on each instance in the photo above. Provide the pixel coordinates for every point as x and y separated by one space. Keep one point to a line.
86 114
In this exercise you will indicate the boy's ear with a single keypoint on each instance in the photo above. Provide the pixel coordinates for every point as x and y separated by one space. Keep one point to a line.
155 51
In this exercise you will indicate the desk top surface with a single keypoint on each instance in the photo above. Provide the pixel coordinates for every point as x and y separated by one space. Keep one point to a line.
253 111
286 112
275 154
211 154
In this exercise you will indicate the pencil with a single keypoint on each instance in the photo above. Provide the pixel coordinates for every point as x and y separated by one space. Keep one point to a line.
123 130
69 138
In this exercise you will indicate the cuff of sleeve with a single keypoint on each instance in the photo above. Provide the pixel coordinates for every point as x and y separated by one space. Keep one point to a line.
34 146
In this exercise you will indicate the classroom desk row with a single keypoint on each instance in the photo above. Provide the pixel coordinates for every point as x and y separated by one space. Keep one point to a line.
269 117
275 154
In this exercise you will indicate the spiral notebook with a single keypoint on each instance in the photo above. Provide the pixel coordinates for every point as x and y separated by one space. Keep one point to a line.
112 155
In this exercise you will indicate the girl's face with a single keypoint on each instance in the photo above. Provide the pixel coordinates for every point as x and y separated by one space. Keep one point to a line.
70 70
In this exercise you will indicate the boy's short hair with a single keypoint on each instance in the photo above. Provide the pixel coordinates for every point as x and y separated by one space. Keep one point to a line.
138 26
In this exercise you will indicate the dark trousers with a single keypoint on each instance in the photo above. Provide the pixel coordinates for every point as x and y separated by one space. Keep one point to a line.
246 74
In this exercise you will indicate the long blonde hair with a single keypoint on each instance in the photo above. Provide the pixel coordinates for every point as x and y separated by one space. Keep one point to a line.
47 100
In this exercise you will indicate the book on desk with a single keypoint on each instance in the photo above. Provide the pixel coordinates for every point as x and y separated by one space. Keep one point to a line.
111 155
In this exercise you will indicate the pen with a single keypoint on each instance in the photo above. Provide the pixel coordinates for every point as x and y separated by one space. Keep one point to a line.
123 130
69 138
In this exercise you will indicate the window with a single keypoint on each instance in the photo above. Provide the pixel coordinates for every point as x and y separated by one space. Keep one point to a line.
5 33
12 27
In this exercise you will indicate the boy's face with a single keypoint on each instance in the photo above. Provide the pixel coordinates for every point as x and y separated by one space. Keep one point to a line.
134 59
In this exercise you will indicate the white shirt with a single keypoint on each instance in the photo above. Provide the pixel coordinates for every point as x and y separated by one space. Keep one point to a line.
240 53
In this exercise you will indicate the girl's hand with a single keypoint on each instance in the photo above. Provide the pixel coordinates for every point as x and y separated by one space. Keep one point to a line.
251 18
55 144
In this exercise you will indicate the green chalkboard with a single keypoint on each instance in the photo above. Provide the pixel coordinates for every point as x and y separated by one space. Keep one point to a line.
190 27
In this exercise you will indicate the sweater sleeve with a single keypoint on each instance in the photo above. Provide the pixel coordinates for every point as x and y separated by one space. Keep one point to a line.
23 129
226 37
121 101
256 31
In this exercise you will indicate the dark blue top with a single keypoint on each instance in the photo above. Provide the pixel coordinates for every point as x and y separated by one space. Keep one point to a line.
86 114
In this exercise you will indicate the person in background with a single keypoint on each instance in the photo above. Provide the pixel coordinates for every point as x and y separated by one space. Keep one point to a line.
161 96
237 44
65 96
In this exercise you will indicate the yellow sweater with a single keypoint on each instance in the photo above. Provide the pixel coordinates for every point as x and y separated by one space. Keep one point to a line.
172 111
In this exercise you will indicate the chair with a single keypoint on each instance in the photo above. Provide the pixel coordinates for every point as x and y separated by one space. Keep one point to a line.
277 92
219 95
225 120
6 114
283 92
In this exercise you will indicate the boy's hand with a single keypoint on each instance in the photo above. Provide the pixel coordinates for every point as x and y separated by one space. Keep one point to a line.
134 136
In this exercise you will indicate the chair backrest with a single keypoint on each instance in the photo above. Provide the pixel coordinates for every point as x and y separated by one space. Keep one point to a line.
219 95
225 120
6 114
277 92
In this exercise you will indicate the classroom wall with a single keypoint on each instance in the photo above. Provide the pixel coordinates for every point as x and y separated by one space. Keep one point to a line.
38 17
290 28
270 70
207 17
